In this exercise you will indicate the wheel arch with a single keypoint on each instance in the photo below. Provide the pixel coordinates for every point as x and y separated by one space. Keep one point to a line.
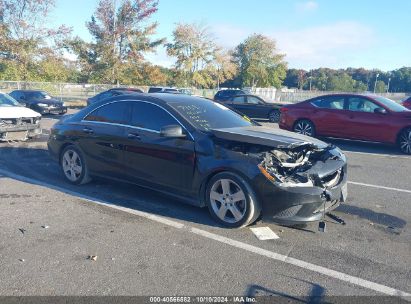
399 133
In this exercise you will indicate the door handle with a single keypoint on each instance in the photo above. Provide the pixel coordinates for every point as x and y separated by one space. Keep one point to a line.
133 136
88 130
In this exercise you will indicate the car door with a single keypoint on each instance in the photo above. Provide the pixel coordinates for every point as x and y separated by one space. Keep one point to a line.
101 135
257 107
155 160
364 122
239 103
330 116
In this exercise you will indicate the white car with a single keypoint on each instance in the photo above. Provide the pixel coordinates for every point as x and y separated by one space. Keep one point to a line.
16 121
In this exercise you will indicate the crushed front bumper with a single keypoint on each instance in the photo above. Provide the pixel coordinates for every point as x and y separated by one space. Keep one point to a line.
19 132
297 205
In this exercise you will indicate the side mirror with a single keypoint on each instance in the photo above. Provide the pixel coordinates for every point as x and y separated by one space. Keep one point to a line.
172 131
380 111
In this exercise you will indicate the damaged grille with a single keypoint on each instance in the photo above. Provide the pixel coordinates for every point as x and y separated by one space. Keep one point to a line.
17 122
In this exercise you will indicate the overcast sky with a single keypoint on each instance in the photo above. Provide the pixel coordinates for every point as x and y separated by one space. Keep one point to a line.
313 33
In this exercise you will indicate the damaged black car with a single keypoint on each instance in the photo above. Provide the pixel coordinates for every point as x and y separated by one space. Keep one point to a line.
204 154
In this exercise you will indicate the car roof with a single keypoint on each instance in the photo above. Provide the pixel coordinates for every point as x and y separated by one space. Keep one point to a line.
28 91
157 98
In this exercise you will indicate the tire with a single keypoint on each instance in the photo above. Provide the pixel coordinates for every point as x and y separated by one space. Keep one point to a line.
274 116
304 127
73 166
231 201
404 141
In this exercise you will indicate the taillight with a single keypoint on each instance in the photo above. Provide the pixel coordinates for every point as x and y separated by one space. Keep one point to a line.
283 110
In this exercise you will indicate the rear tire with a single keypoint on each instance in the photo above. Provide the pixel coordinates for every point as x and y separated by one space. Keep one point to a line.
231 200
73 166
404 141
304 127
274 116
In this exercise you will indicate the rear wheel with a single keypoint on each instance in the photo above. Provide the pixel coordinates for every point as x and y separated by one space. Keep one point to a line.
304 127
404 141
231 201
74 166
274 116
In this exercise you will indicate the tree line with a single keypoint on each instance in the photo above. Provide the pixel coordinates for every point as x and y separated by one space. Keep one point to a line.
123 35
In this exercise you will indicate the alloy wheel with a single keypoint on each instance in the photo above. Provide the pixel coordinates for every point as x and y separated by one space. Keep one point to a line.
274 116
405 141
72 166
228 201
304 127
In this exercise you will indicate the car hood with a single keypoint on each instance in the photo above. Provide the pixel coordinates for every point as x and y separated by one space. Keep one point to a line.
268 137
17 112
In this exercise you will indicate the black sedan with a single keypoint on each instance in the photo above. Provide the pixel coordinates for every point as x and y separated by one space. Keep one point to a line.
254 107
111 93
39 101
204 154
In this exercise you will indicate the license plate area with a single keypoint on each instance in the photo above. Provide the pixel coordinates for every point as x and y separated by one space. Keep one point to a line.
19 135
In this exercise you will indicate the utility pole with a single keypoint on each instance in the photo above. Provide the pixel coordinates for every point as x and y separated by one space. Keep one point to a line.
375 84
388 87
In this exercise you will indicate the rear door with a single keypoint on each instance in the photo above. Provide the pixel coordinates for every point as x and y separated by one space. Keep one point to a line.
364 123
152 159
329 116
239 103
101 137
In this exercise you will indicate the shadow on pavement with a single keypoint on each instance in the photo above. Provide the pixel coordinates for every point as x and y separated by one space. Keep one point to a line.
35 163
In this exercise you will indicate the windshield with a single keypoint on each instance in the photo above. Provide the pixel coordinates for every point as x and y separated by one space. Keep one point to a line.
8 101
207 115
391 104
38 95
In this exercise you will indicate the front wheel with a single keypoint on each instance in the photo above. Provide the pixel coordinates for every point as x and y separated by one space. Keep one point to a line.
231 201
304 127
404 141
74 166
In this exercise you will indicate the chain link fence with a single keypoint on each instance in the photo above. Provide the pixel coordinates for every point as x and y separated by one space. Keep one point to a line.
77 94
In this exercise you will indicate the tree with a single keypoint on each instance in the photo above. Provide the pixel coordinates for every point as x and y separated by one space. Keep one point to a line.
122 36
222 67
194 49
259 62
24 38
380 87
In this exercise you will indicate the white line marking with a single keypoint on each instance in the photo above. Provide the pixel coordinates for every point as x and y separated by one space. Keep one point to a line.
250 248
380 187
377 154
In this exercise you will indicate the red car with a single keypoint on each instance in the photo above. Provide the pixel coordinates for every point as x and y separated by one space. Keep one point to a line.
351 116
407 103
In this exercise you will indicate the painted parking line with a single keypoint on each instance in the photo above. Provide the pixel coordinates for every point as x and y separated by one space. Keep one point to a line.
380 187
231 242
378 154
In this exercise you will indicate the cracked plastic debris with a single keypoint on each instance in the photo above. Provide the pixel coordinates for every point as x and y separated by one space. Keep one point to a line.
92 258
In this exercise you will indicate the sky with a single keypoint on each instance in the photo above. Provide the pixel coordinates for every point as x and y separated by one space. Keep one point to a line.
373 34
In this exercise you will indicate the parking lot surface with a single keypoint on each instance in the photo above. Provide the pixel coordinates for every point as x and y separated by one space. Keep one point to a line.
149 244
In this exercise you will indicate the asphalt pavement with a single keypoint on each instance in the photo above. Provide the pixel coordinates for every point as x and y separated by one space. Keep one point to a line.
149 244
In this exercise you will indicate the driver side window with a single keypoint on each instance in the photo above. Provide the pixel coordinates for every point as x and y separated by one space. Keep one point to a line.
253 100
148 116
359 104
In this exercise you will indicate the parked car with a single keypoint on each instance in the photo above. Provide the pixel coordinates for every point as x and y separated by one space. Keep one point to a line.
112 92
351 116
39 101
407 103
202 153
16 121
254 107
163 90
224 95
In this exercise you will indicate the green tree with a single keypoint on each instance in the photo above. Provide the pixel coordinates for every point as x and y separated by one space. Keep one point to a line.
121 37
380 87
24 38
259 62
194 50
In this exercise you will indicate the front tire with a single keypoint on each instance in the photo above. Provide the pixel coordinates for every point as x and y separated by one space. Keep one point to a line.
73 165
274 116
231 201
304 127
404 141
